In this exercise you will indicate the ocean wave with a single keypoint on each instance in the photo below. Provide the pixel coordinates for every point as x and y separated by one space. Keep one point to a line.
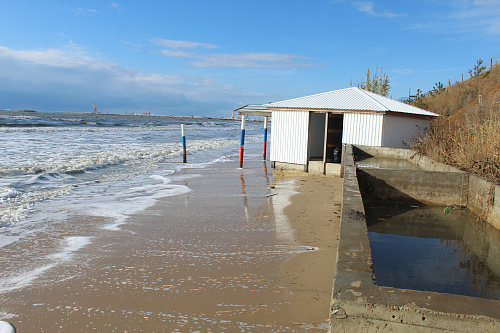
91 161
16 205
28 184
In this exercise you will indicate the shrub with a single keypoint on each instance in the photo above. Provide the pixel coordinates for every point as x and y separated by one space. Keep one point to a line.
468 133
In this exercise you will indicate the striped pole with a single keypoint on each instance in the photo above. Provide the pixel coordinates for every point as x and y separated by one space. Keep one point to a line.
242 141
265 140
184 153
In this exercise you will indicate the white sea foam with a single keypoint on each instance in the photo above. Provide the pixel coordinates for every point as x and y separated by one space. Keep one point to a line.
25 184
68 247
6 315
284 230
52 176
18 205
74 162
71 244
133 200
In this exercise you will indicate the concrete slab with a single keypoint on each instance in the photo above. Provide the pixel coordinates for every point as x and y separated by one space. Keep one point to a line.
494 213
333 169
360 305
288 166
316 167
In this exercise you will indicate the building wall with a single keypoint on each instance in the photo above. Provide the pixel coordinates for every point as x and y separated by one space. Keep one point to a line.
362 129
289 136
398 131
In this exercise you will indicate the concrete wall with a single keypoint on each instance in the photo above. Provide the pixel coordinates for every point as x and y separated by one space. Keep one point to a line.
316 168
289 166
484 199
436 184
406 154
359 305
333 169
398 153
494 212
428 164
416 186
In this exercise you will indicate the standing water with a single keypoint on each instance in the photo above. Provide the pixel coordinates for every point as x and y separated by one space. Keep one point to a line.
434 249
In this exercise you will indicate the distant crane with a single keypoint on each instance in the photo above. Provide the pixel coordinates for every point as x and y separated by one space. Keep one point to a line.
95 107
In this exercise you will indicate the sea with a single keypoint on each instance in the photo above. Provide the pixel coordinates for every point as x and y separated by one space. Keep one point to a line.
59 165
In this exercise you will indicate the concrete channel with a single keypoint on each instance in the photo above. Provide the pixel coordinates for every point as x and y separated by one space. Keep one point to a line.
358 303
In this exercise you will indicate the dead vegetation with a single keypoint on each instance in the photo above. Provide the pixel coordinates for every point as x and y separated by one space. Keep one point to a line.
467 135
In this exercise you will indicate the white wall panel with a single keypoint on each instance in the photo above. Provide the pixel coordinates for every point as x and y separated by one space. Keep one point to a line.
397 130
289 136
362 129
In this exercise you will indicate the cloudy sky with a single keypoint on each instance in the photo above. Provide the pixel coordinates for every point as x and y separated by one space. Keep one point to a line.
208 57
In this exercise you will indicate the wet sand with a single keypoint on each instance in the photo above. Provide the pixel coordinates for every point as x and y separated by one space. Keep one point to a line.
241 252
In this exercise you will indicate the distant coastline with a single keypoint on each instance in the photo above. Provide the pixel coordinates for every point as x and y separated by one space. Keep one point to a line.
133 115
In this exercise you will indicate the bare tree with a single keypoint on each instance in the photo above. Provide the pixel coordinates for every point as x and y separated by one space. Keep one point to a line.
377 83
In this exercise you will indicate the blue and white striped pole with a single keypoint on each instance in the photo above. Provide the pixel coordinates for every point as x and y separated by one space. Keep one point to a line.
265 140
184 152
242 140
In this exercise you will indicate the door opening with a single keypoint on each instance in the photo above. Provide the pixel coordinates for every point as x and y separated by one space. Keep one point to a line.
333 147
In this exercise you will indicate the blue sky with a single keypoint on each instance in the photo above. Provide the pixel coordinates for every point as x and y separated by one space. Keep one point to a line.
195 57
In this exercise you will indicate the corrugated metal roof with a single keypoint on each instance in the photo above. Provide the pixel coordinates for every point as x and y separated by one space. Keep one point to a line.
352 98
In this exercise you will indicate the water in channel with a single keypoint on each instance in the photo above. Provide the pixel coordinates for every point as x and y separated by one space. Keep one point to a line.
434 249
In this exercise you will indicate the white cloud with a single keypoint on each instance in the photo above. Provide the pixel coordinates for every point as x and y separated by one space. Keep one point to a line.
198 55
402 71
251 60
469 18
176 54
65 80
83 11
478 15
368 7
180 44
115 6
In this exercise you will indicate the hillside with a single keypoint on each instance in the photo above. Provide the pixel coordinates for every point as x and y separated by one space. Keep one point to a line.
468 133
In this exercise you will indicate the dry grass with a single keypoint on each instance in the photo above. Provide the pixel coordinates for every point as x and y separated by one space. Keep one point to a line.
468 134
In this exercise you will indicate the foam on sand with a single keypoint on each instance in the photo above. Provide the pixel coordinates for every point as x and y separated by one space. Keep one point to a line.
70 245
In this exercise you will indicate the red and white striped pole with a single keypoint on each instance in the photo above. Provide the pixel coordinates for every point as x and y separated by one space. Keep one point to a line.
264 154
184 152
242 140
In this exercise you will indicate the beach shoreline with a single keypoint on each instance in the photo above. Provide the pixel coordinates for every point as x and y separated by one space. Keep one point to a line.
315 217
218 258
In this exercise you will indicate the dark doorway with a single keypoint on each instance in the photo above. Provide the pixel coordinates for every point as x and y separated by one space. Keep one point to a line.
333 149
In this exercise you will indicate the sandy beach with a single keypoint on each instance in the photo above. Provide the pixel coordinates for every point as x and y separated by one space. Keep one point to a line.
244 251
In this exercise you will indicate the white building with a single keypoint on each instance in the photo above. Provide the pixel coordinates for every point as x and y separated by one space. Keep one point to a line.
306 131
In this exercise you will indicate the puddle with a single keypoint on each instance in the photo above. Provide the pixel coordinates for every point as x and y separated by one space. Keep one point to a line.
434 249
